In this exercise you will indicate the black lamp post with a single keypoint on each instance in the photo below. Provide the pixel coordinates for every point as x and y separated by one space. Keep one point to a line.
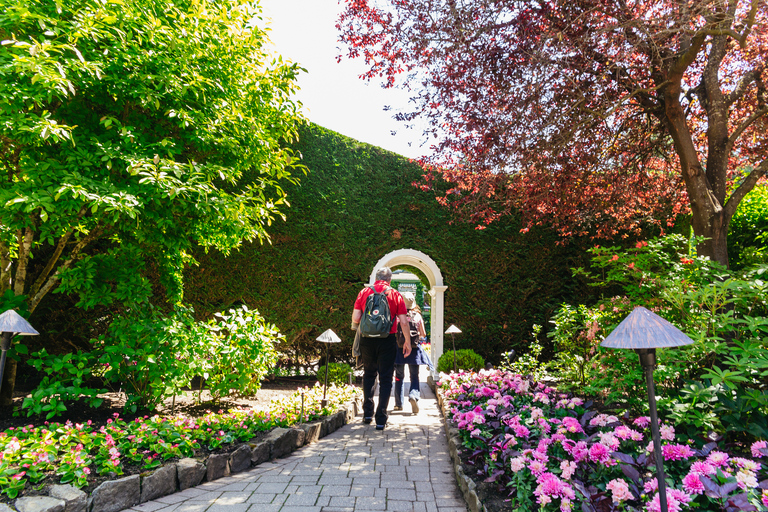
11 324
327 337
453 330
644 332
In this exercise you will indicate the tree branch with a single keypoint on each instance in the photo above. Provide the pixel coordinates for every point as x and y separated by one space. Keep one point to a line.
746 186
60 245
745 82
757 114
25 245
73 257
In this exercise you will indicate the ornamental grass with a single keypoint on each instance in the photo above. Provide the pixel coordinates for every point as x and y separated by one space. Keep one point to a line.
73 453
546 451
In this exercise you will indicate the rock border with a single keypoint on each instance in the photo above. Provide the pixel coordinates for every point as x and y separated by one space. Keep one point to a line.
466 484
117 495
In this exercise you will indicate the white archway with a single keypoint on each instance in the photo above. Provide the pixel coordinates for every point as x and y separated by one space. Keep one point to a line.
421 261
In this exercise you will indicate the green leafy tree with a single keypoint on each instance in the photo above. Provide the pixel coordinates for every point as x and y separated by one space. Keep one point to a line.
131 131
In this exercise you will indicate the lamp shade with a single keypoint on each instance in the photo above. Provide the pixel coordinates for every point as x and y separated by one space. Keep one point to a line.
645 329
11 321
328 337
452 330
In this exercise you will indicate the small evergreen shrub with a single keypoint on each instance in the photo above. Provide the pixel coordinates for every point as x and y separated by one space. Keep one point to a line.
338 373
466 359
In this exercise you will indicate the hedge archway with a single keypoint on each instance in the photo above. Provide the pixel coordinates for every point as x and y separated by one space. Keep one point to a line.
425 264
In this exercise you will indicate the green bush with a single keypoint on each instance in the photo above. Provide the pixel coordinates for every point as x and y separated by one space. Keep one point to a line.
748 231
338 373
466 359
718 382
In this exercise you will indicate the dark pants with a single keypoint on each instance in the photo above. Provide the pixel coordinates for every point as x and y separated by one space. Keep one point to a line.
414 392
378 355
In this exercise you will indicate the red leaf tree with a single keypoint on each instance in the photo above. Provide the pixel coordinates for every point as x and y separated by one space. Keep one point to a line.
596 116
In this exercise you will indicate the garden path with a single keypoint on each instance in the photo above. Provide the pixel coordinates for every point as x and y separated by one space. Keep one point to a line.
406 468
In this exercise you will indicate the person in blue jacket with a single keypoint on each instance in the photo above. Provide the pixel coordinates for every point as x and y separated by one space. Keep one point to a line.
416 358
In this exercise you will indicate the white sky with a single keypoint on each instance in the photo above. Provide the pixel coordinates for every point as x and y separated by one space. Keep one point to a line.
334 97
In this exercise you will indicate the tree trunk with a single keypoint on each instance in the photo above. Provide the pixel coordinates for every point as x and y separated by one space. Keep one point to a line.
9 382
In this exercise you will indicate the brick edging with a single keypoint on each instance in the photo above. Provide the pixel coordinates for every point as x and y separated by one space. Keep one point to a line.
466 484
117 495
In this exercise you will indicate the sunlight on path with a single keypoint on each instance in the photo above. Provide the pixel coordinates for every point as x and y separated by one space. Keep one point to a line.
405 468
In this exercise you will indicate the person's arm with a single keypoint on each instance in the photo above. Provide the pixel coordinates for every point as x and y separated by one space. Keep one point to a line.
357 315
422 330
406 333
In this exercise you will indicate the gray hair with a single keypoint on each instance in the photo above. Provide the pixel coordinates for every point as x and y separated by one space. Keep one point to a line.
384 274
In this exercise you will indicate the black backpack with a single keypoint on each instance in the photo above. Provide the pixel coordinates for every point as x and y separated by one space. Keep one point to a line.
377 320
414 330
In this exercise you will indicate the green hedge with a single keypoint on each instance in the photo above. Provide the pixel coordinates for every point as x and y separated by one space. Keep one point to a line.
357 204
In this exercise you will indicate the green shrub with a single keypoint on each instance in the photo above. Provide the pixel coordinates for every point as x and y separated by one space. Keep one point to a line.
466 359
717 382
338 373
748 231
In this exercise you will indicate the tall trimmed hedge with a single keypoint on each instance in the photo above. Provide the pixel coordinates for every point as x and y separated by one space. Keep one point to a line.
357 204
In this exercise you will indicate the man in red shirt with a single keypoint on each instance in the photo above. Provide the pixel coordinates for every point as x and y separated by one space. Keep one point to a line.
378 354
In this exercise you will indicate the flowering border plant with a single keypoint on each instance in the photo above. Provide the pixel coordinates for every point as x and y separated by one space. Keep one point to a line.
72 452
547 451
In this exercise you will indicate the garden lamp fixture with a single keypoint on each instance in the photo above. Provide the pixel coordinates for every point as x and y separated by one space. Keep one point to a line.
327 337
453 330
11 324
644 332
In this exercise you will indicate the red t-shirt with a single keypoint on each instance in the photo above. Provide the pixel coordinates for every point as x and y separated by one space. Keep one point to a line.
395 300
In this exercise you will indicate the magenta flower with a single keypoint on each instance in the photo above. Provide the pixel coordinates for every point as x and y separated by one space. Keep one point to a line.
702 468
757 446
692 484
676 451
601 454
642 421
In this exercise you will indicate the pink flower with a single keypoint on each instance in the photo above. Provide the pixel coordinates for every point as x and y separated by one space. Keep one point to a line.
569 468
692 484
667 432
600 453
642 421
517 463
702 468
651 485
522 431
572 425
718 459
676 451
537 467
746 480
619 490
757 446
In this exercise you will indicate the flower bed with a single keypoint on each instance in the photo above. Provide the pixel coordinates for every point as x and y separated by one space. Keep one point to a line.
77 453
543 450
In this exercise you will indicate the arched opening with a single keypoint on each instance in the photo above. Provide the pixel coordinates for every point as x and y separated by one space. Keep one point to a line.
425 264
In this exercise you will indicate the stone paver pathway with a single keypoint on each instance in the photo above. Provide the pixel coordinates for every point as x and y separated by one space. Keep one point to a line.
405 467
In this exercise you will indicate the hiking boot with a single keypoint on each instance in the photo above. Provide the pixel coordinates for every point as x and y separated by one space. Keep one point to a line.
414 405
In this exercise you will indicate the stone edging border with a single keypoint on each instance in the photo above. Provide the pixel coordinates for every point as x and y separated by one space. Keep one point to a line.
466 484
117 495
